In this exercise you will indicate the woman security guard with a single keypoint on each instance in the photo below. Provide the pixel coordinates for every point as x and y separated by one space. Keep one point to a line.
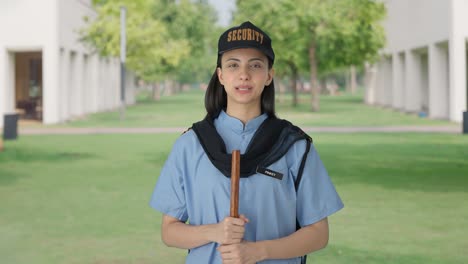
286 194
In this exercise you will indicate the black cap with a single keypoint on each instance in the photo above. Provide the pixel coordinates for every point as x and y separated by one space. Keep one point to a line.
247 35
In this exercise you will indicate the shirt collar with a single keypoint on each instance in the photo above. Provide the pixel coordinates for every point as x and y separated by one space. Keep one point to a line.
236 125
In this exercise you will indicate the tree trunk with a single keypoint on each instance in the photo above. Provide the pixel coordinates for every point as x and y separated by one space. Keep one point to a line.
353 80
332 86
313 77
178 87
322 85
348 81
294 75
168 87
280 89
156 91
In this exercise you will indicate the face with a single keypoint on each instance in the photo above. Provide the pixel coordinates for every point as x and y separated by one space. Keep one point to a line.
244 73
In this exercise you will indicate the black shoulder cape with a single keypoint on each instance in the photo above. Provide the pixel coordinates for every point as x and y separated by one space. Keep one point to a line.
270 142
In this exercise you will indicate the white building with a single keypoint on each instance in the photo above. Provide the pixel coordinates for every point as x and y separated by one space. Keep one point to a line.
46 74
424 65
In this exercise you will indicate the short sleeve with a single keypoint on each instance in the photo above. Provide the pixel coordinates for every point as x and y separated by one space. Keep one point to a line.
316 195
168 196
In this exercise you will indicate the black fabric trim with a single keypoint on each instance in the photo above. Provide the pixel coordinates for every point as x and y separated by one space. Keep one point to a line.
270 142
296 186
301 167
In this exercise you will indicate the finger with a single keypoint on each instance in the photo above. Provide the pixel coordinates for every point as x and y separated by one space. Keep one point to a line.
237 221
227 257
234 239
229 261
228 248
231 254
237 237
222 249
234 232
244 218
237 234
236 229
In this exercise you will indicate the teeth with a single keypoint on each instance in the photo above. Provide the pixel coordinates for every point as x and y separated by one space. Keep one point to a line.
244 89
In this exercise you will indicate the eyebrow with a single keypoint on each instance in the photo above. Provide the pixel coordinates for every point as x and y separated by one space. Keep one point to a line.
250 60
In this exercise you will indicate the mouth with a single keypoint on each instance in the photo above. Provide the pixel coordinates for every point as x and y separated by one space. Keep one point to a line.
244 88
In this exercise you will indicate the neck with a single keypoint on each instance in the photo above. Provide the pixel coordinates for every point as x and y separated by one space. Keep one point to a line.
244 114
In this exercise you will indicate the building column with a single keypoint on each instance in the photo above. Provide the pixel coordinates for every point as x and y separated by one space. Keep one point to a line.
94 82
398 80
380 82
457 61
424 81
438 82
114 85
7 84
72 85
3 83
129 88
107 97
86 95
50 72
370 83
108 83
64 72
387 88
412 92
78 84
51 84
102 85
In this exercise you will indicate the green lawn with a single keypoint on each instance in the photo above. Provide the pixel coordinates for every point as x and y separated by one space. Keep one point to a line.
84 199
183 109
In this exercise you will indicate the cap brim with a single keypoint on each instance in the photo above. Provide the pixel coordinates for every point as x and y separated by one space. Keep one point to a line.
270 56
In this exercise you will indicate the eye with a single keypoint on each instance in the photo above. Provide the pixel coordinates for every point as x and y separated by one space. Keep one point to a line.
232 65
256 66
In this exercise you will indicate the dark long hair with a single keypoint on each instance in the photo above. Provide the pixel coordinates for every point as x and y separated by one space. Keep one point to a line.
216 97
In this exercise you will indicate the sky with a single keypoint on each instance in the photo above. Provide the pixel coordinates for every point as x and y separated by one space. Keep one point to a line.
224 8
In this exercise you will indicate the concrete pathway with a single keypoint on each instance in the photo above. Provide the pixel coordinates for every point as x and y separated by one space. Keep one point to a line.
141 130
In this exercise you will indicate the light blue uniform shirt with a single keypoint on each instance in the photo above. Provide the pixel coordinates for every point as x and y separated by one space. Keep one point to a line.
191 189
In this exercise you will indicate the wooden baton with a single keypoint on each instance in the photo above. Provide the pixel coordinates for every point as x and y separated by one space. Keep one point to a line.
235 175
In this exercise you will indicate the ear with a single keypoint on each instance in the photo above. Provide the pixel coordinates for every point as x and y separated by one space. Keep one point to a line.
271 73
220 75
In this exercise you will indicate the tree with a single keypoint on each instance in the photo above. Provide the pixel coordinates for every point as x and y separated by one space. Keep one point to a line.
194 22
285 36
166 39
341 33
149 46
329 34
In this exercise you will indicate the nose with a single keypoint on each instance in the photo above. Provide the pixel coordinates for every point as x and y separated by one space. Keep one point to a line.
244 73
